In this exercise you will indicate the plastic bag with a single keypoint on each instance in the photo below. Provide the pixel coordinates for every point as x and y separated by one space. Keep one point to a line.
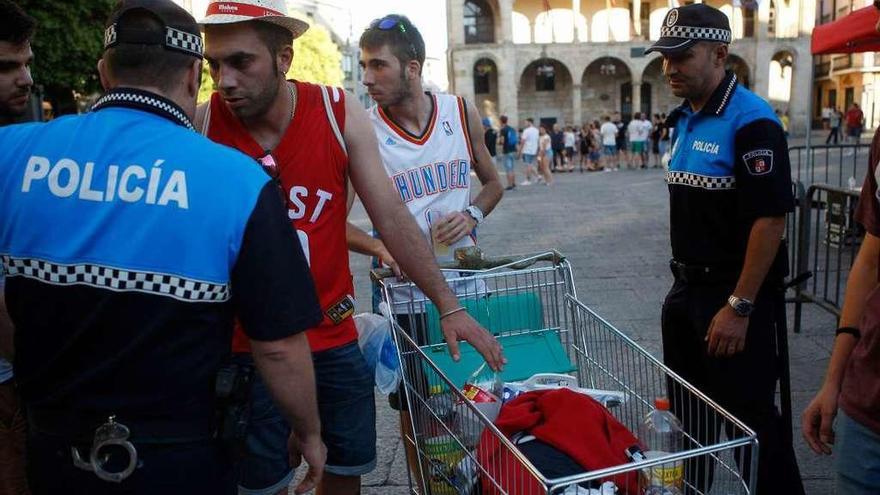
549 381
377 346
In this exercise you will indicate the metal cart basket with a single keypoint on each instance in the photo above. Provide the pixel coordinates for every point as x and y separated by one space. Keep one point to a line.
531 305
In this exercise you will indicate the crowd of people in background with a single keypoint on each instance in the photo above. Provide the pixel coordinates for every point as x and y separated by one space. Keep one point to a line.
548 148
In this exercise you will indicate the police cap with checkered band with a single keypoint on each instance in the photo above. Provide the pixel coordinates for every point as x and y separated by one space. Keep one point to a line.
686 26
179 30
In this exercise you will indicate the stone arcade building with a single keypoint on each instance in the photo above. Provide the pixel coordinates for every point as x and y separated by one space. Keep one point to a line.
573 61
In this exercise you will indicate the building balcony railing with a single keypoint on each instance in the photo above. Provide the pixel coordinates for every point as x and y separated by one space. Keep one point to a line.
823 69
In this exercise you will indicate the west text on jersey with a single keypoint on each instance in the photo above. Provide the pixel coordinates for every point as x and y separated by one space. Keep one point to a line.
417 182
131 183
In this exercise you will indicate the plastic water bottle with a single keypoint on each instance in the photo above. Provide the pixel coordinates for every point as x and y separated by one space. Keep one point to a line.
661 434
851 182
485 388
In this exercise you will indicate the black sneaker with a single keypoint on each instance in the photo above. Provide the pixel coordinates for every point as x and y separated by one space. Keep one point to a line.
510 188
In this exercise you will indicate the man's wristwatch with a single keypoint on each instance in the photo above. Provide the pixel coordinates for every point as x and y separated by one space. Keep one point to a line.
741 306
476 213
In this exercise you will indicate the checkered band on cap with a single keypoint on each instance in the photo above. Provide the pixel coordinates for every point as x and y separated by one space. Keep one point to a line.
117 280
175 39
187 42
701 181
110 35
696 33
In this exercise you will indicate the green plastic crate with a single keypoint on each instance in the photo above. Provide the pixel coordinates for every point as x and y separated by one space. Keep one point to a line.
498 313
527 355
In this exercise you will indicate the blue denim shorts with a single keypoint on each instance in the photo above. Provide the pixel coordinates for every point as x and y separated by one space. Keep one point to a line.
609 150
507 161
857 457
348 423
528 159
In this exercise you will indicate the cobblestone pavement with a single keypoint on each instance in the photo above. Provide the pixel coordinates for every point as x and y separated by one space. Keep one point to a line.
613 226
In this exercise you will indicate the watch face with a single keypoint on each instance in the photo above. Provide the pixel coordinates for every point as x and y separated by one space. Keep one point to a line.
744 308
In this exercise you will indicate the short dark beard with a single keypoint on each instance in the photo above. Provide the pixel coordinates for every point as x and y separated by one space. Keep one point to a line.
401 93
264 100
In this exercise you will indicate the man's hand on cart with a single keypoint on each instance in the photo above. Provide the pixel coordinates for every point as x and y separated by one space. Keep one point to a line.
460 326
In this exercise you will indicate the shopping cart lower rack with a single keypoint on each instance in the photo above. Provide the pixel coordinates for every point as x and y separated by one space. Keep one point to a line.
530 303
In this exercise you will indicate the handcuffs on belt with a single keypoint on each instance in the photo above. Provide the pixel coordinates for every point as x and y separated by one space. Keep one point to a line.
107 435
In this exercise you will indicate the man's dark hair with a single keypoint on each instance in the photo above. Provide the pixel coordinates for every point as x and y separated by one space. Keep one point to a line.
530 120
273 36
404 40
145 65
16 27
503 119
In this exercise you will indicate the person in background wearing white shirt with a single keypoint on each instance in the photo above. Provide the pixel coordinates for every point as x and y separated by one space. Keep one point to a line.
528 151
609 144
635 130
568 140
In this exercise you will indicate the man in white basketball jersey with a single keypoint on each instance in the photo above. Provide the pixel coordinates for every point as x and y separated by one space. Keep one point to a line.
429 144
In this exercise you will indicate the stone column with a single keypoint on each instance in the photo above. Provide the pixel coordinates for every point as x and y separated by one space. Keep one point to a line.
506 7
636 93
455 22
801 88
507 87
576 113
637 18
576 10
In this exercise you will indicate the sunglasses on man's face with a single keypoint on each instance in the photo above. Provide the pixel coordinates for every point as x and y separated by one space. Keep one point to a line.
391 22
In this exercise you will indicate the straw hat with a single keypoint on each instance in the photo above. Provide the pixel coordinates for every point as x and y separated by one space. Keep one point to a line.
274 11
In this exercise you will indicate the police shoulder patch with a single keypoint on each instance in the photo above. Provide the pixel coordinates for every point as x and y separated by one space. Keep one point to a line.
759 162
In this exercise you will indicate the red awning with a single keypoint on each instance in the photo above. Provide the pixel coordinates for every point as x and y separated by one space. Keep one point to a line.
851 34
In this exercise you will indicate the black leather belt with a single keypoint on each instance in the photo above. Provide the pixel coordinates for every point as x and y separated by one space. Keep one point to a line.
75 428
695 274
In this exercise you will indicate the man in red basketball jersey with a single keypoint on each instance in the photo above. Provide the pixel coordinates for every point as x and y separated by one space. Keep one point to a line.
313 139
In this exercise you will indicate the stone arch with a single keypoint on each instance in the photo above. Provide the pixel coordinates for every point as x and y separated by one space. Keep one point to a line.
780 78
655 20
660 99
479 22
611 25
522 28
738 66
606 88
485 85
539 101
560 26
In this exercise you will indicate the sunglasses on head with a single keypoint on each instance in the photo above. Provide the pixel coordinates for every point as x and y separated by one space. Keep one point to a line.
392 22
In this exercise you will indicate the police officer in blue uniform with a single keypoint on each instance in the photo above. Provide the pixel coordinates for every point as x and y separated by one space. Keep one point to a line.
729 186
128 242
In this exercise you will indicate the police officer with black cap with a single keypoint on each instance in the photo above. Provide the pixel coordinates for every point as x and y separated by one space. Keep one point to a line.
129 241
729 186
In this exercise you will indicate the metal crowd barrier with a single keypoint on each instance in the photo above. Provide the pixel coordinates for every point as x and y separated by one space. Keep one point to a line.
824 240
830 164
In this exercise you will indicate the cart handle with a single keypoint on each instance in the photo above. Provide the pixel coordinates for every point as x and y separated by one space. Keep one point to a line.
472 259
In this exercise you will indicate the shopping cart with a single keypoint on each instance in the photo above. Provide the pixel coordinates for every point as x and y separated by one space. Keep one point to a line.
530 303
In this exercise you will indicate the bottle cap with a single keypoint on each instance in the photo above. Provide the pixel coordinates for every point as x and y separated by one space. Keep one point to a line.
661 403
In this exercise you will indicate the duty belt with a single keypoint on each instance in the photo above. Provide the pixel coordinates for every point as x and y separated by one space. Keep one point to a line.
695 274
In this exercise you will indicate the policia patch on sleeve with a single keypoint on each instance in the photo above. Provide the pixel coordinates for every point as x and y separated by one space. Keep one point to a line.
759 162
341 310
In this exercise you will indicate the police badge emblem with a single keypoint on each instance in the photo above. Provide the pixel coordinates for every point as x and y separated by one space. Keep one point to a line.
672 18
759 162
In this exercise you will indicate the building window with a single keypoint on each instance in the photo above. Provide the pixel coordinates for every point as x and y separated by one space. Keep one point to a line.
482 73
479 26
545 77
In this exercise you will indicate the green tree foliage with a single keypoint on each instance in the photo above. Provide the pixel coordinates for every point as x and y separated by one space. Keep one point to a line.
316 58
67 46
